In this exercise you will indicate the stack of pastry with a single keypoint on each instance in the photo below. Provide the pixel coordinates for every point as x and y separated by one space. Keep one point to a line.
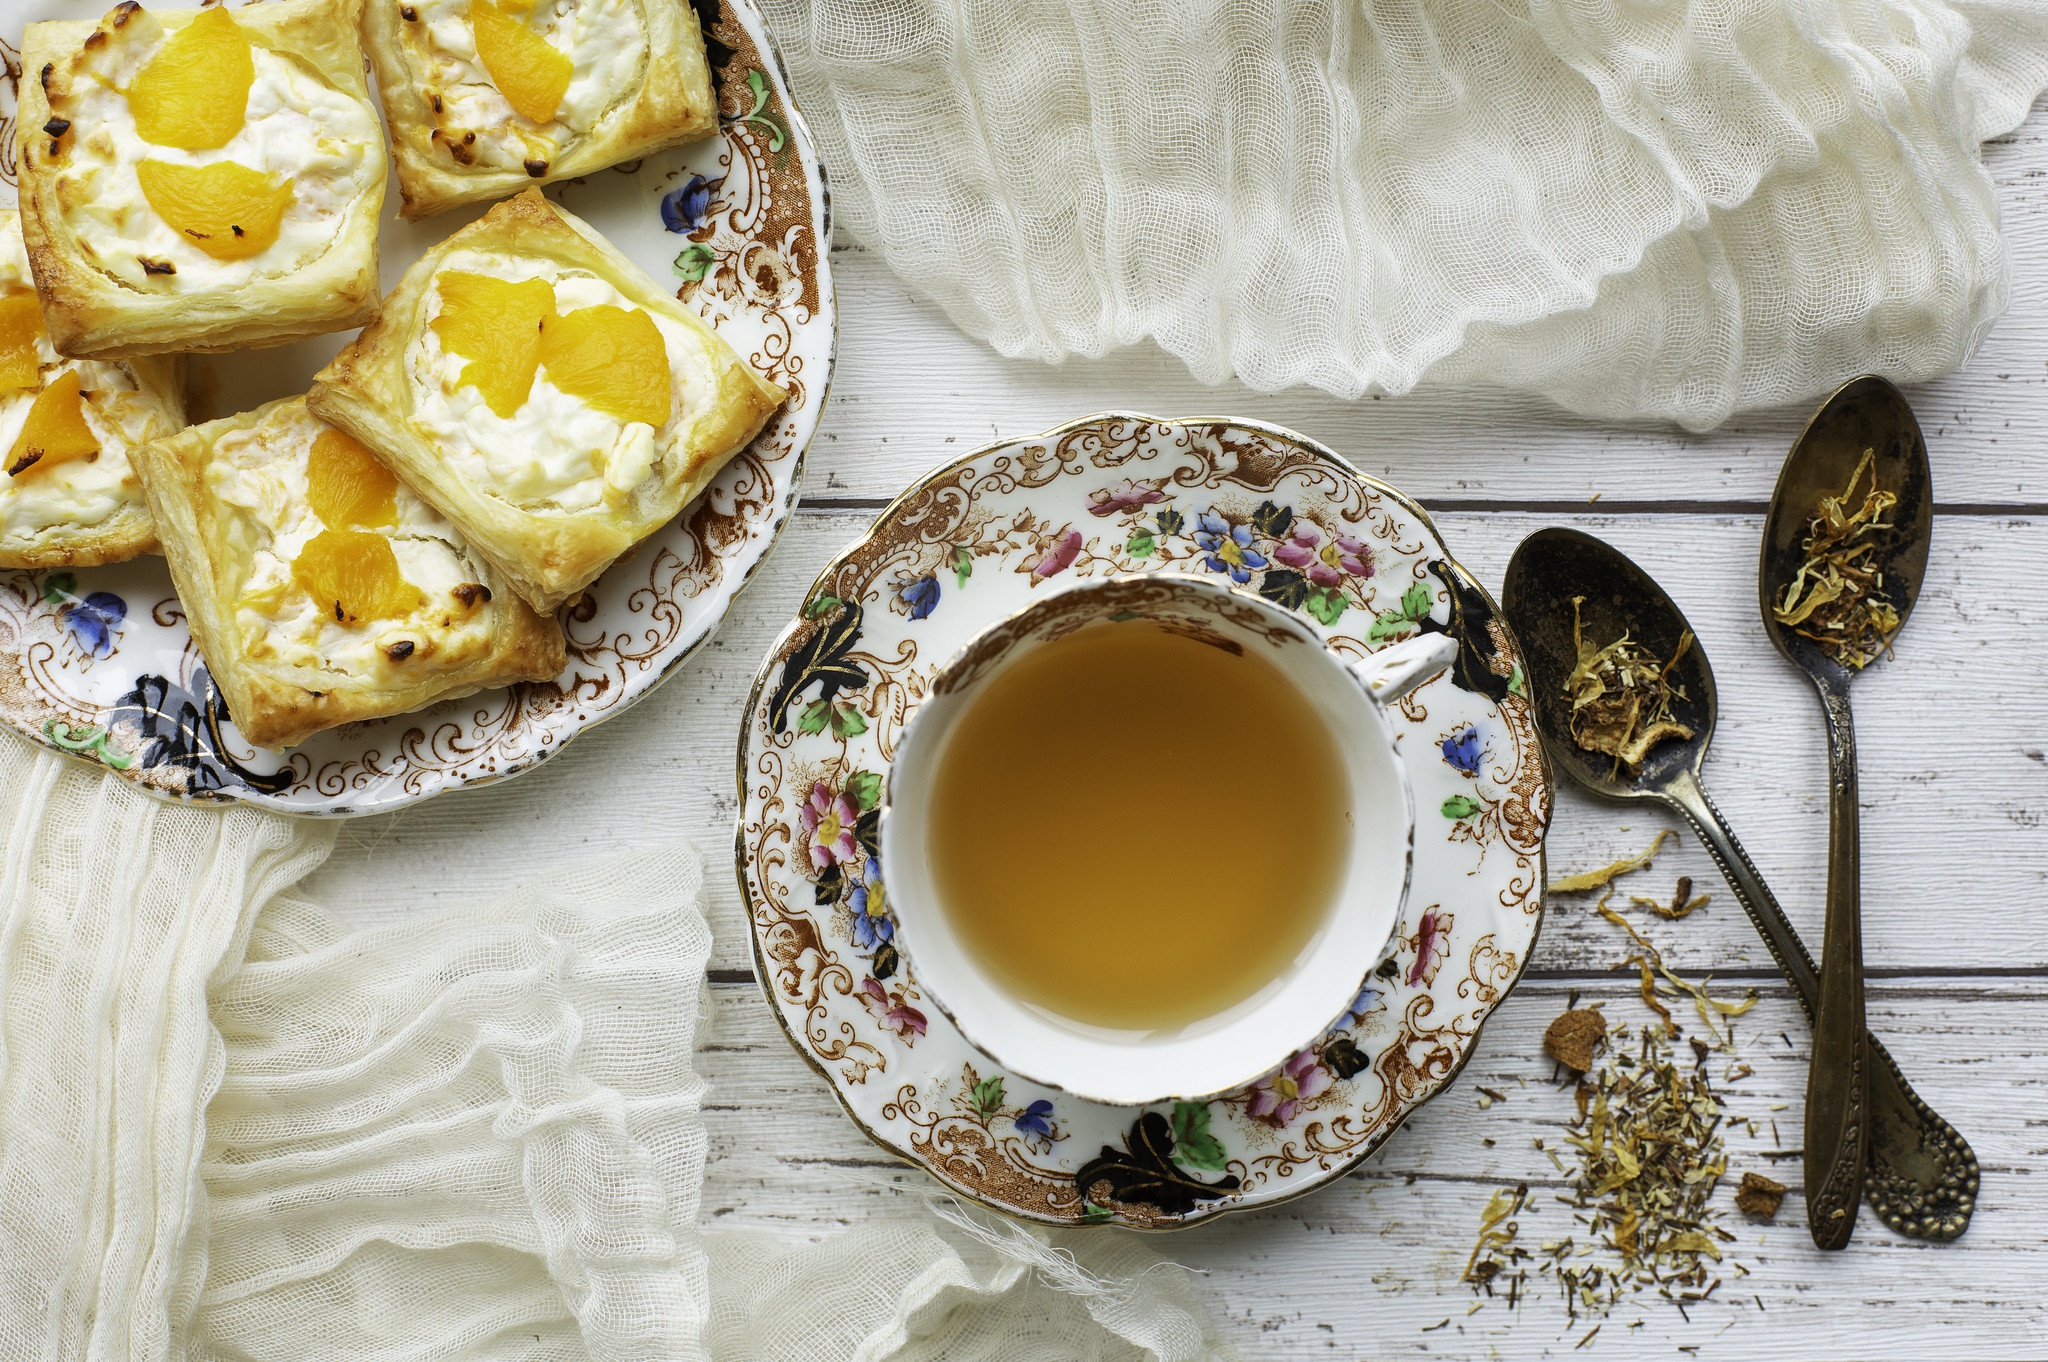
519 412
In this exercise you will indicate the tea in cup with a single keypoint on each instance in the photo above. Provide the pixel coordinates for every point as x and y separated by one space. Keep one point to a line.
1149 836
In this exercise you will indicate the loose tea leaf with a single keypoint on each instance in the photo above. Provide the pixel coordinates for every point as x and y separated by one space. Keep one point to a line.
1758 1197
1574 1038
1647 1133
1497 1232
1837 598
1682 904
1587 881
1621 696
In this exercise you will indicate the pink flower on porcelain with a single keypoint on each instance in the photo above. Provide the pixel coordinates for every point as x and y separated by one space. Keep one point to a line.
1432 942
890 1009
1277 1099
1125 496
1326 564
1056 558
828 820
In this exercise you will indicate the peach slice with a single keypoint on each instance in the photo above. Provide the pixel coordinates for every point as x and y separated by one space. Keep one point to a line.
21 323
229 211
495 324
614 359
528 70
346 485
55 431
353 575
194 92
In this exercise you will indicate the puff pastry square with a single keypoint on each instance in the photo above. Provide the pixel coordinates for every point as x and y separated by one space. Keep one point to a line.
544 394
320 590
200 179
69 496
484 96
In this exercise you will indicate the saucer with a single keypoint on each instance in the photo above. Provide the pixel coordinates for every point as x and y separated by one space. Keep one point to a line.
97 662
1275 513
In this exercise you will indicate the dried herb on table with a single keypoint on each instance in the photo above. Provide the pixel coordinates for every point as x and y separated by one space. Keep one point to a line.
1621 696
1837 598
1683 902
1759 1197
1575 1037
1648 1135
1585 882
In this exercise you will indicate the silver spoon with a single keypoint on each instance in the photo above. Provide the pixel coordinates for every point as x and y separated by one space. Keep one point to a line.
1863 442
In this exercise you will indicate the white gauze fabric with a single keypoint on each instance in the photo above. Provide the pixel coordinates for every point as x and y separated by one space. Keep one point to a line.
231 1131
1668 210
119 912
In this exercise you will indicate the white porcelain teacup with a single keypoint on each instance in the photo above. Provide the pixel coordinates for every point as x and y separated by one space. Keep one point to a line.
1238 1046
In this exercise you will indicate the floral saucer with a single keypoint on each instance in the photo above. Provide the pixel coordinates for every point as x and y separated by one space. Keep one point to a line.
97 662
968 545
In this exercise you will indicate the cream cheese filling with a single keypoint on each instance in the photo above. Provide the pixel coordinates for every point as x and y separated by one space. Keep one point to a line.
605 40
555 453
83 493
261 473
298 126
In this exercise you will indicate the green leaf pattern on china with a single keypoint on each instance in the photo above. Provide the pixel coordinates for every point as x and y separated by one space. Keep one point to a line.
1141 545
1193 1145
1391 624
866 789
1460 806
963 564
988 1096
1326 604
693 262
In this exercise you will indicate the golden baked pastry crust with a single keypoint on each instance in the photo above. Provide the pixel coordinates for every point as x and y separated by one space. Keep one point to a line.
92 315
156 408
278 704
549 556
130 531
670 105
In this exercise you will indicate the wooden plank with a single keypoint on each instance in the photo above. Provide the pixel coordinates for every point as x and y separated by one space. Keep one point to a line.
1365 1266
911 391
1954 791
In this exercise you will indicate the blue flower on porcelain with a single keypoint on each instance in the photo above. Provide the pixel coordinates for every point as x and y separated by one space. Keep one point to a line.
872 924
922 596
1036 1119
684 207
1228 547
96 621
1462 749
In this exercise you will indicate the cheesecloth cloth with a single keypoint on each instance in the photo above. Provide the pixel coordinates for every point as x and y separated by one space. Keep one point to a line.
231 1130
1636 210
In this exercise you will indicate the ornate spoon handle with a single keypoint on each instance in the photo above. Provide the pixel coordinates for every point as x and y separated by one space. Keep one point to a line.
1922 1175
1838 1075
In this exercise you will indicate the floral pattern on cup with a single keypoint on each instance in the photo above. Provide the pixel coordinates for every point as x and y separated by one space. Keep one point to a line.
969 545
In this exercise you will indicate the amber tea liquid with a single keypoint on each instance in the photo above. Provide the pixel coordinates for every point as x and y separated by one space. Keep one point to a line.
1137 830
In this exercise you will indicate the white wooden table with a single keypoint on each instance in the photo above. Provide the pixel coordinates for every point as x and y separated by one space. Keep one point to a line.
1954 745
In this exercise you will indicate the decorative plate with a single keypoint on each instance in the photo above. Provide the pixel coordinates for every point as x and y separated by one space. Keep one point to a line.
97 662
966 546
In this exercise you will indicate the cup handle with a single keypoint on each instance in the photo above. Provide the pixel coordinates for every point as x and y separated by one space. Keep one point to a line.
1392 672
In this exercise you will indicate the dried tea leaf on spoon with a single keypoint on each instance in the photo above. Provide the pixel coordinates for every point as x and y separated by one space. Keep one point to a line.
1621 696
1837 598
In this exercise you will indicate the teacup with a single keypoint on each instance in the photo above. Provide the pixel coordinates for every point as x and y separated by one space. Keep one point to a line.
1237 1046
